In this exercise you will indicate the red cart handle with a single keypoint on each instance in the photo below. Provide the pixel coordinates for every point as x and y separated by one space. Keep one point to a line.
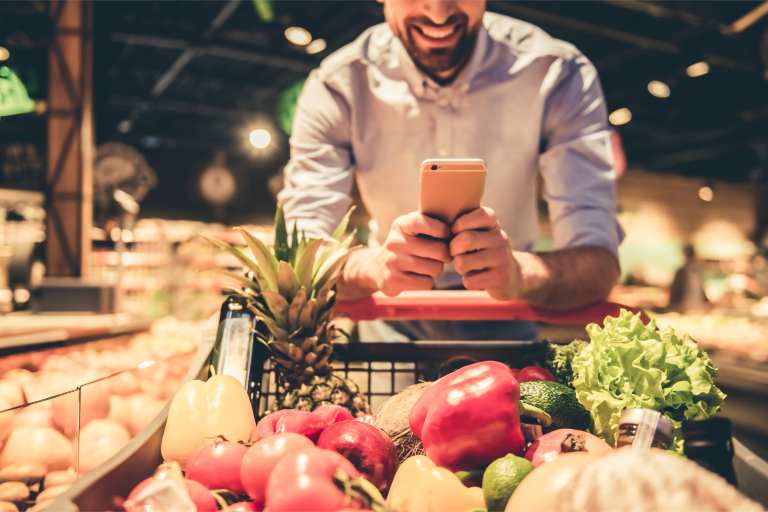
469 305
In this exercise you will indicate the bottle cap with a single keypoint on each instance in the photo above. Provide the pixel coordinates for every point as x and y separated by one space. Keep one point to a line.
648 419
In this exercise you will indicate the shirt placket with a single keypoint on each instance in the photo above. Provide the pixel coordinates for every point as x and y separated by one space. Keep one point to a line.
444 127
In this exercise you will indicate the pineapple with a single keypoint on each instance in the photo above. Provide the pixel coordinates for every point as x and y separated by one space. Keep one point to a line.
290 288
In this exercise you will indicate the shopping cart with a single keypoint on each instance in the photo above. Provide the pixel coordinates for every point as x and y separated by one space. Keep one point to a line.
381 370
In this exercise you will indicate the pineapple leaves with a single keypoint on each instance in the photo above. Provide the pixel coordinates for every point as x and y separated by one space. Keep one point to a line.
278 306
282 251
250 264
244 281
305 263
341 229
287 283
266 264
297 304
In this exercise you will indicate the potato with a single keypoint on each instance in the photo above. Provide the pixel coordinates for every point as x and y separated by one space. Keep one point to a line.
21 472
7 506
62 477
14 491
51 492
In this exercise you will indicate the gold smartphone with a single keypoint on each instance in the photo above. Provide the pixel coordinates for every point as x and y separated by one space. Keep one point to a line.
450 187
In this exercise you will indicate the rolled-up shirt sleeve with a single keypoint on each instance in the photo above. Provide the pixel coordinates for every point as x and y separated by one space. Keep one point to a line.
319 174
576 162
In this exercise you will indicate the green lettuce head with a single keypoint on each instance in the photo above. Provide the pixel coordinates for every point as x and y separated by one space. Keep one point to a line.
631 364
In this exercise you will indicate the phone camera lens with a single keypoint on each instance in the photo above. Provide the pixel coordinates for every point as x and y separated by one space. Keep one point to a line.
434 167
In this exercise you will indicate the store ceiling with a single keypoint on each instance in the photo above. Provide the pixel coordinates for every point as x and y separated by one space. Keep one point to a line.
181 80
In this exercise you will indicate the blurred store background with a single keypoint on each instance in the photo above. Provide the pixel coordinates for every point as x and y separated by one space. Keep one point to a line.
191 105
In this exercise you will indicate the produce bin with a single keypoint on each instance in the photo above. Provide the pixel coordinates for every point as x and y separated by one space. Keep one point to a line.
381 369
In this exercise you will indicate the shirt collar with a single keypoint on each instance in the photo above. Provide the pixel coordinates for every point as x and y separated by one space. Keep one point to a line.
420 82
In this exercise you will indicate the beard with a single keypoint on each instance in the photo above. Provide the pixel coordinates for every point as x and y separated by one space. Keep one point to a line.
435 61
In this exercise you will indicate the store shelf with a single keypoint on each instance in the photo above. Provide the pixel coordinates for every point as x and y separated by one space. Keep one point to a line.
29 330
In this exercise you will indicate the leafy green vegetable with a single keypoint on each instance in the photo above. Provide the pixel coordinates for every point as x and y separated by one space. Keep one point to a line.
630 364
559 358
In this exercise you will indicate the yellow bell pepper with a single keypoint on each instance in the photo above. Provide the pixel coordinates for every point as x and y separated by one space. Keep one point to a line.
202 411
421 486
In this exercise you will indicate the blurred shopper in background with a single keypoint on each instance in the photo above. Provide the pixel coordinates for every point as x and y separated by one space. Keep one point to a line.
687 290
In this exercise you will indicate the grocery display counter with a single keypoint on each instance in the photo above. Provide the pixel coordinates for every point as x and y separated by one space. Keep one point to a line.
24 331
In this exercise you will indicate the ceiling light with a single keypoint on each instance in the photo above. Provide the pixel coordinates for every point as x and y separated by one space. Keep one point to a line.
706 194
4 53
620 116
659 89
316 46
697 69
298 36
260 138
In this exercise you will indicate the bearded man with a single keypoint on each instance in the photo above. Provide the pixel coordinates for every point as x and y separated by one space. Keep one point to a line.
446 79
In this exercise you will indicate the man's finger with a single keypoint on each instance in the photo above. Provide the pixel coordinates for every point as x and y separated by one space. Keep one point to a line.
416 223
416 265
468 241
480 218
483 279
409 281
427 248
487 258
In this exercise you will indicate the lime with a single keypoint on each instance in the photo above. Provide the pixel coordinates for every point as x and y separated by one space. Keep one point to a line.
501 478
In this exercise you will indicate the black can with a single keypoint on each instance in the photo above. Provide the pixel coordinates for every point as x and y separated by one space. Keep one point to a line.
709 443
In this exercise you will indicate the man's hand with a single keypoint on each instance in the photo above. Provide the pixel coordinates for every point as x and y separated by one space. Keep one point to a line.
483 257
413 255
411 258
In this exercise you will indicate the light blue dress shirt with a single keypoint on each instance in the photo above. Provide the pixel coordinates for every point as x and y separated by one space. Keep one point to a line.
528 104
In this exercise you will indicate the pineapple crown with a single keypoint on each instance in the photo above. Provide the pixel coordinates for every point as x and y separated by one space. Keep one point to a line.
291 285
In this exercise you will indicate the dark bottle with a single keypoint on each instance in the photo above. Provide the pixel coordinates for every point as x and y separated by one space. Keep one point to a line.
708 442
237 352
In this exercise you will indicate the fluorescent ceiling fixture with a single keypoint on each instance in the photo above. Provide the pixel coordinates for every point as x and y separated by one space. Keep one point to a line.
620 116
298 36
260 138
697 69
316 46
659 89
706 193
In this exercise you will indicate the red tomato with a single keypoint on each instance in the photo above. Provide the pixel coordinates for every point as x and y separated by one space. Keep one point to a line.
243 506
534 372
261 458
303 481
553 444
217 465
200 496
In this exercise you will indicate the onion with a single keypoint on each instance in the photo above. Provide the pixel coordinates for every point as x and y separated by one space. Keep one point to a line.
6 418
124 383
100 440
94 405
37 445
367 447
12 392
39 415
134 412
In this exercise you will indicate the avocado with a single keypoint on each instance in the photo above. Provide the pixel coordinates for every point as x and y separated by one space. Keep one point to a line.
557 400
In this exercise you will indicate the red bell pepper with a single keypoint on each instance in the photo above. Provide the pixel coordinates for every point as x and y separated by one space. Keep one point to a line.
534 372
469 418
